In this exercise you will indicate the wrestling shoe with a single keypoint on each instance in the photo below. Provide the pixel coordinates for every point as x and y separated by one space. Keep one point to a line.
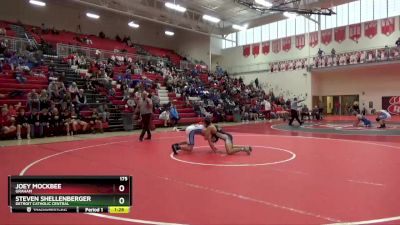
175 148
248 150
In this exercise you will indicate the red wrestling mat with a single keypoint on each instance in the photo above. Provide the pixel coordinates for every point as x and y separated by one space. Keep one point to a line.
316 179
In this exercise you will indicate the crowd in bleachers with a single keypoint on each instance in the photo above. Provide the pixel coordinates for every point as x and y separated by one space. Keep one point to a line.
58 107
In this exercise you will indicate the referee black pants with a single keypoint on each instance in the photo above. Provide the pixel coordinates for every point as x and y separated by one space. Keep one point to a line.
146 119
294 115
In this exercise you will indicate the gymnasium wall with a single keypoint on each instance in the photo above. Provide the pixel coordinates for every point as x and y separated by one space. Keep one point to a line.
67 15
370 82
233 57
233 60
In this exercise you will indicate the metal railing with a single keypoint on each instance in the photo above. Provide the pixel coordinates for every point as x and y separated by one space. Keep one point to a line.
16 44
354 57
64 50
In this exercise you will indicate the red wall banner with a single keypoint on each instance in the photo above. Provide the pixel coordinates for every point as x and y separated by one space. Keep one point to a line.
286 44
256 49
387 26
300 41
326 36
391 104
265 48
370 29
246 50
355 31
313 39
340 34
276 46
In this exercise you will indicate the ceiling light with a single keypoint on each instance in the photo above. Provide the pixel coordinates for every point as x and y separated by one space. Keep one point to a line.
264 3
169 33
175 7
38 3
238 27
290 15
211 18
92 15
133 24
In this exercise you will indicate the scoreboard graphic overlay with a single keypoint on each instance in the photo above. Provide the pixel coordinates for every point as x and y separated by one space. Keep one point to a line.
70 194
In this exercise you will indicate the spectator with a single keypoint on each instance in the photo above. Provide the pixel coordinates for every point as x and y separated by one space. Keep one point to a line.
19 76
73 90
156 101
333 52
102 35
174 115
44 100
96 122
3 46
356 107
12 111
316 113
80 100
320 53
53 90
33 100
267 108
102 110
305 112
131 103
75 121
398 42
23 121
337 108
66 119
45 118
55 121
7 122
35 123
164 116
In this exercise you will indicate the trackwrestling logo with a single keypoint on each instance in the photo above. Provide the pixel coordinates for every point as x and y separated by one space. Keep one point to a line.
394 107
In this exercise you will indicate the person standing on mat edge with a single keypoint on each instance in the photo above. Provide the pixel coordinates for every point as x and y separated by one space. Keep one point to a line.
294 114
145 108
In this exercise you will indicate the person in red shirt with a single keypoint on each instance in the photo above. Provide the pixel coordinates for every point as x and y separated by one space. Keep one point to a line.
7 123
12 111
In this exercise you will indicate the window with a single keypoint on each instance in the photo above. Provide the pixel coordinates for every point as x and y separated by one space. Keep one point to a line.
354 12
323 26
229 41
300 25
330 21
265 32
311 25
241 37
342 15
249 36
291 27
281 28
228 44
257 34
367 10
273 31
380 9
394 8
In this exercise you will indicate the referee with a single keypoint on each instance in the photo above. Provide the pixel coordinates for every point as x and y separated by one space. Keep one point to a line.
145 107
294 114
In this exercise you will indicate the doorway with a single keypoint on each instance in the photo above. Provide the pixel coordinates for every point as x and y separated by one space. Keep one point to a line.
335 104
